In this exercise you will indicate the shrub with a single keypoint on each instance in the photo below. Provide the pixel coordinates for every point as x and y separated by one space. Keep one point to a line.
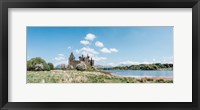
51 67
37 64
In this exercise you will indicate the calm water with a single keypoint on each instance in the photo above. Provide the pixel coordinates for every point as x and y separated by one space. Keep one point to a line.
142 73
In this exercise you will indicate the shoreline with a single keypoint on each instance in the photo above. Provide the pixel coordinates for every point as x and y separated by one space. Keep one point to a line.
74 76
139 70
139 77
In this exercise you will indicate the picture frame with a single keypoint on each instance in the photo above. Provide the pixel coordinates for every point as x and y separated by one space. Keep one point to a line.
6 4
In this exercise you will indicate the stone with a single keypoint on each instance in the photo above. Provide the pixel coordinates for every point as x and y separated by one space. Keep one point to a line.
81 66
39 67
70 67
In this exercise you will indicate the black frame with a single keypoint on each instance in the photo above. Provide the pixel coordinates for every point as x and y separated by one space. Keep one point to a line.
5 4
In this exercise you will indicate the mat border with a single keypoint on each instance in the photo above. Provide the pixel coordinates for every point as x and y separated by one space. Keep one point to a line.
6 4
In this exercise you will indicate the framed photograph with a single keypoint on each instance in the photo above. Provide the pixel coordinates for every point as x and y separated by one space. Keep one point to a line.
102 54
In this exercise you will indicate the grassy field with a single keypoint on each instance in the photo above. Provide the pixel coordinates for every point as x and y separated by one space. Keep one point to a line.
73 76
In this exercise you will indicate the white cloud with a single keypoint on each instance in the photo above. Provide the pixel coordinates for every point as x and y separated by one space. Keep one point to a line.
91 52
113 50
129 63
99 44
60 57
90 37
106 50
61 54
163 60
146 62
134 62
87 50
167 59
84 42
97 58
111 64
69 48
77 51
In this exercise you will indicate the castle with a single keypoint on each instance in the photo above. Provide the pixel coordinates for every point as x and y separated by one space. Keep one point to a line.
72 62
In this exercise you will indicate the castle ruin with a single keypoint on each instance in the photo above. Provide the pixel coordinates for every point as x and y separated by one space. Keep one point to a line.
72 62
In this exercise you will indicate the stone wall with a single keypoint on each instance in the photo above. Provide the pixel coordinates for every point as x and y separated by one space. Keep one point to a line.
74 63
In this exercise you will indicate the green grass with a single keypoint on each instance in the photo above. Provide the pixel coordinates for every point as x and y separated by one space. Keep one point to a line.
73 76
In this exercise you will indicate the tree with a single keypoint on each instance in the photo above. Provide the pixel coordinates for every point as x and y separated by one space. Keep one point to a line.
154 67
51 66
159 65
29 66
37 64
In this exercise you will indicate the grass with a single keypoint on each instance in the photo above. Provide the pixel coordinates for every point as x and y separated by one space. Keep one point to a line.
73 76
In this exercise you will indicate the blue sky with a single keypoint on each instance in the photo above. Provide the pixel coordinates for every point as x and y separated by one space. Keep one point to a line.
107 45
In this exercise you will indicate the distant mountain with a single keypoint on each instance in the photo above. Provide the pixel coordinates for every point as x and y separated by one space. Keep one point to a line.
122 65
60 66
103 66
111 66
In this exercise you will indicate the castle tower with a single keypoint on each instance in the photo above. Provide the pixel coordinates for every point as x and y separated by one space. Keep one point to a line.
72 63
71 57
91 62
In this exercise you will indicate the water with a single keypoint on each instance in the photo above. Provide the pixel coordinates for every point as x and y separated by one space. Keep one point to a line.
142 73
